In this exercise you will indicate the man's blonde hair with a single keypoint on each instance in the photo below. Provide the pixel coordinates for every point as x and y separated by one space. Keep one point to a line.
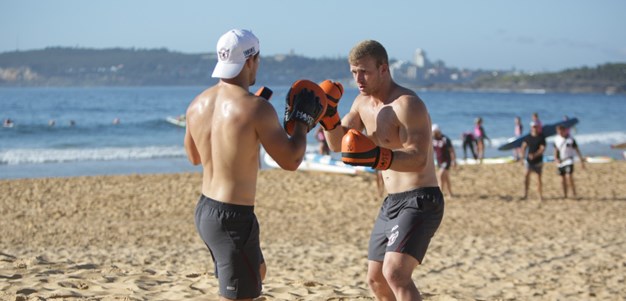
369 48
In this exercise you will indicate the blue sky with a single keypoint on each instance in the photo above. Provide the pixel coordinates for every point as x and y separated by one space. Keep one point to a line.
532 35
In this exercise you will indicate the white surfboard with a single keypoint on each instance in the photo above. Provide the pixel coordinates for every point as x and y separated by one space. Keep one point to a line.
599 159
178 121
496 160
323 163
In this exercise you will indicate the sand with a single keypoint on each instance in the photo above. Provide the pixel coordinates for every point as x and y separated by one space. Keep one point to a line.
133 237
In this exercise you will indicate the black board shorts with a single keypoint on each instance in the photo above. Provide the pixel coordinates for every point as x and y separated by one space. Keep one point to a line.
566 169
406 223
534 167
231 232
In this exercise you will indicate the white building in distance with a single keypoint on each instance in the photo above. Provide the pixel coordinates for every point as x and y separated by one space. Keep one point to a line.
420 58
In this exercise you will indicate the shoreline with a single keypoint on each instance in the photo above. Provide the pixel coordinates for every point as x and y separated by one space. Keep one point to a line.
174 166
133 236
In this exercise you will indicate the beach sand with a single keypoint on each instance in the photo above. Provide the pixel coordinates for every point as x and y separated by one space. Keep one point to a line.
133 237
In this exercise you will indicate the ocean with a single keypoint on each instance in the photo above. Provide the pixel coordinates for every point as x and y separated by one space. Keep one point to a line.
85 140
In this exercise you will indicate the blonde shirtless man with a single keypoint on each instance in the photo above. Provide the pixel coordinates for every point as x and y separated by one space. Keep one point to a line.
397 140
226 125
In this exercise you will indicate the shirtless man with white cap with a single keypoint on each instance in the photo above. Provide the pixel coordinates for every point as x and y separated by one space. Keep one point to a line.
226 125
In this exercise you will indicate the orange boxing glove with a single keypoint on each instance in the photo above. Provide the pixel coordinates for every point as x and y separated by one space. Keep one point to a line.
334 91
357 149
264 92
306 103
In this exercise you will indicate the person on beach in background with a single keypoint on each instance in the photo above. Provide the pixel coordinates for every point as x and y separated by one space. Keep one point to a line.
535 119
620 146
535 143
518 130
226 125
398 142
445 156
323 145
565 147
480 136
468 142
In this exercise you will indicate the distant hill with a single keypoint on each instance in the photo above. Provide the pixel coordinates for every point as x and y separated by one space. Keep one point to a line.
59 66
607 78
141 67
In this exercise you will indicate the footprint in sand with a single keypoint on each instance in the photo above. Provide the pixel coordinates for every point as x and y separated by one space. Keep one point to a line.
74 284
12 277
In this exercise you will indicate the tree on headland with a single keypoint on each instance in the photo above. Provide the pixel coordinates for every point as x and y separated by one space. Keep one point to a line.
62 66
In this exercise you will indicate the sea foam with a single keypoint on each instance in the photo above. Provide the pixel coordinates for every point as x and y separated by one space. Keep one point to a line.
48 155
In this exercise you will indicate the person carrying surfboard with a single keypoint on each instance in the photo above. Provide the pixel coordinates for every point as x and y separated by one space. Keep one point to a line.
535 144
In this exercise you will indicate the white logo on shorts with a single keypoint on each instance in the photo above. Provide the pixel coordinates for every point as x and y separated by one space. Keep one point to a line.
393 236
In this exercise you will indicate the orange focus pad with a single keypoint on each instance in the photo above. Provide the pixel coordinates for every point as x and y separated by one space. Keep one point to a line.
357 149
295 89
264 92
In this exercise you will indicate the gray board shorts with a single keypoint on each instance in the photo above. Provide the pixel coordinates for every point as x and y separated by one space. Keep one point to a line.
406 223
231 232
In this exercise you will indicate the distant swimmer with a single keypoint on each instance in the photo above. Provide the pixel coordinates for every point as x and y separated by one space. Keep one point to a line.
226 126
8 123
116 121
52 122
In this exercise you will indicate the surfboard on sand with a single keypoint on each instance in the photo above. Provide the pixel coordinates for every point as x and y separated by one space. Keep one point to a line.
496 160
178 121
588 159
323 163
547 130
599 159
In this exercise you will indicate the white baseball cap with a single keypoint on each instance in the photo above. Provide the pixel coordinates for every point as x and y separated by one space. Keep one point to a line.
435 127
233 49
